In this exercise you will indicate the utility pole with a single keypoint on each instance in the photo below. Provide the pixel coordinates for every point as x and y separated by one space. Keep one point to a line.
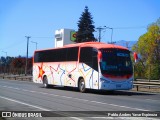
100 30
27 54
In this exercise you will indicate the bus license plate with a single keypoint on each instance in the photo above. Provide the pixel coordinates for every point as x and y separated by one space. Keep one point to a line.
118 86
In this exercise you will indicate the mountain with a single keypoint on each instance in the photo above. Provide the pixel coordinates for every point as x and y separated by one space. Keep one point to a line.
124 43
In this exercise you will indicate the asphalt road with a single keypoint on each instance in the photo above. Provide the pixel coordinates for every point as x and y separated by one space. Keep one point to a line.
28 96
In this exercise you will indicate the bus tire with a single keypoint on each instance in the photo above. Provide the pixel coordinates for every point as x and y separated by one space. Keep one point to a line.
81 85
45 82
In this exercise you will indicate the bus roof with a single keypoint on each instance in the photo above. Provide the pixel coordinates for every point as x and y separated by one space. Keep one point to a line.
97 45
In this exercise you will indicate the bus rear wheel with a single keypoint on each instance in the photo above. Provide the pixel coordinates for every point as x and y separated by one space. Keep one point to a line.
81 85
45 82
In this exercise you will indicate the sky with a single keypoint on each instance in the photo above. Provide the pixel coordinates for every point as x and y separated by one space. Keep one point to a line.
40 18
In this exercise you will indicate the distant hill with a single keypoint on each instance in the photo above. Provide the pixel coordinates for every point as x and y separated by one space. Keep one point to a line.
124 43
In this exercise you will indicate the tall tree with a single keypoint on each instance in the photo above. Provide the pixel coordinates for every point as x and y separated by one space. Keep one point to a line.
85 27
149 48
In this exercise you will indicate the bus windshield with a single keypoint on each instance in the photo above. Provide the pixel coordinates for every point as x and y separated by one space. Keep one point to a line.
116 62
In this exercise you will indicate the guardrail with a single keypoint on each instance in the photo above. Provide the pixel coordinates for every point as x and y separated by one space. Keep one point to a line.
145 80
17 77
138 83
146 83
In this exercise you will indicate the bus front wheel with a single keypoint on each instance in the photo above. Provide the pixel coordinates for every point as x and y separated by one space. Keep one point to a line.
45 82
81 85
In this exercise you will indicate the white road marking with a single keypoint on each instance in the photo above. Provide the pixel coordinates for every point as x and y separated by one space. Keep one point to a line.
76 118
23 103
77 99
152 100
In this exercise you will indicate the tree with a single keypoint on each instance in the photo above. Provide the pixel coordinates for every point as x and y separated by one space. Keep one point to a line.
148 47
9 60
85 27
3 61
18 62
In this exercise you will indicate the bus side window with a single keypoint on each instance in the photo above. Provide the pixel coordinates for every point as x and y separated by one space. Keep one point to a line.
36 57
88 55
72 54
95 59
59 55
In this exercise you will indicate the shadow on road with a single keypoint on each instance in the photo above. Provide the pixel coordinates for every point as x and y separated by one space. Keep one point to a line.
102 92
119 93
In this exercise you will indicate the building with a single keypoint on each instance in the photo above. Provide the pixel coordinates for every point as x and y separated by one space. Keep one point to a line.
64 37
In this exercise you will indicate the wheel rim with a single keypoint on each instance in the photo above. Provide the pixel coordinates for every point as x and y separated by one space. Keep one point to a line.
82 85
45 83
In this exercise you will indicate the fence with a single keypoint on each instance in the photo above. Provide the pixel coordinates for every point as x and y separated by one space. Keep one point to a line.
14 71
145 83
16 77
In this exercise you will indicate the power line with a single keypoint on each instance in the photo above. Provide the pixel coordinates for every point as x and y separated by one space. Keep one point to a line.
137 27
104 28
20 42
100 30
13 45
42 37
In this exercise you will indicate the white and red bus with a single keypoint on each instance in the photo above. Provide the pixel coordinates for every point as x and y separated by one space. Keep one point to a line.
89 65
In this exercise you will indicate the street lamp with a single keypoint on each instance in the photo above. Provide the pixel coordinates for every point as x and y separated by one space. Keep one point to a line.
35 43
102 28
5 53
111 33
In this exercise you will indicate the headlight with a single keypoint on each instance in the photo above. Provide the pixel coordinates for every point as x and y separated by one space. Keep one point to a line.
131 81
104 80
